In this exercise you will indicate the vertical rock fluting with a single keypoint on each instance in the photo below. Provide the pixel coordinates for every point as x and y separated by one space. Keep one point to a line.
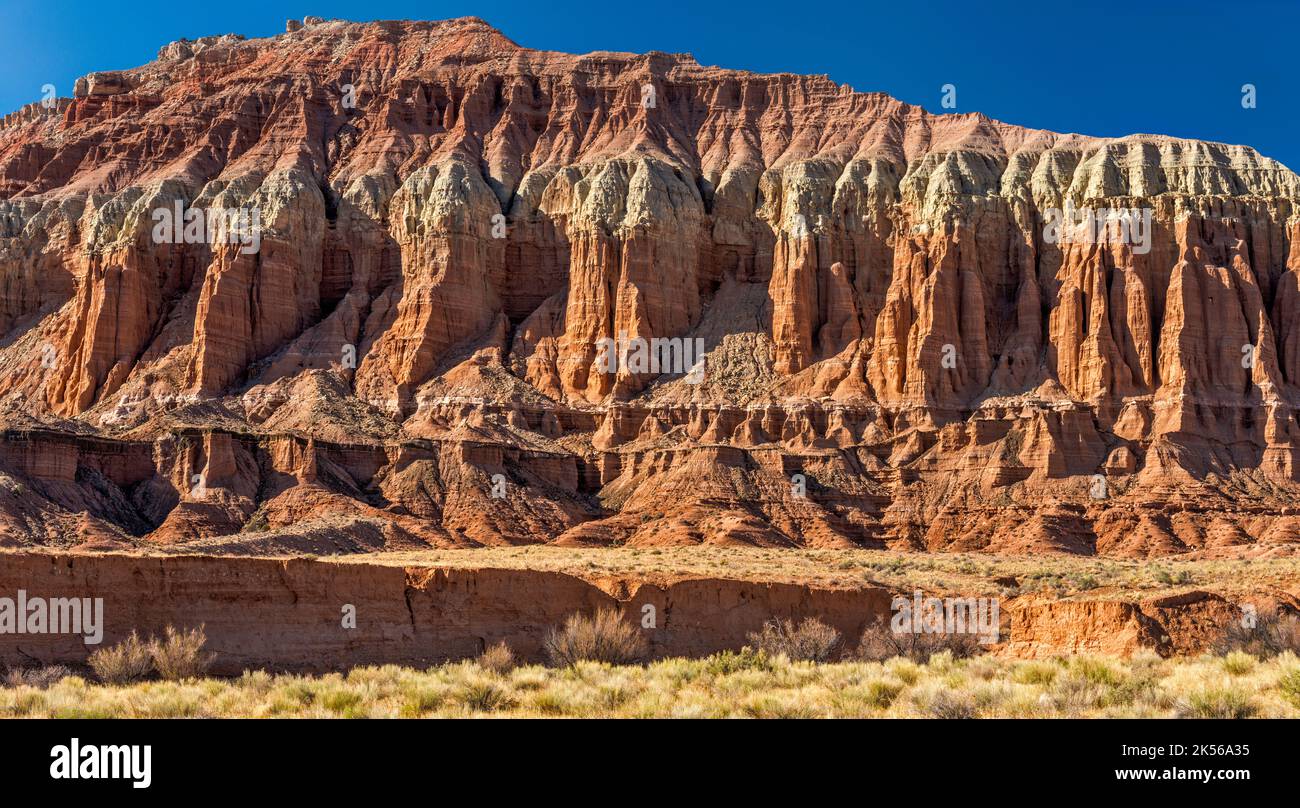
453 231
442 218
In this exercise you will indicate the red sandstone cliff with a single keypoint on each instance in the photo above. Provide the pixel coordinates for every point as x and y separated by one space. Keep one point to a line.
450 224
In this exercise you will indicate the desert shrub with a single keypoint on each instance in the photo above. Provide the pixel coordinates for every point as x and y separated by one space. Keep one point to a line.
950 704
1271 634
484 697
880 642
180 655
256 682
1097 671
1141 685
1089 683
1238 663
1086 582
904 669
986 668
257 523
810 641
765 706
612 697
39 678
992 697
420 701
128 661
1289 685
1217 702
1074 693
606 637
341 700
746 659
1035 673
297 692
1176 578
882 692
497 659
548 702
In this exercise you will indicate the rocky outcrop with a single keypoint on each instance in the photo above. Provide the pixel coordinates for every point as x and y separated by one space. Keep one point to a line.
317 615
489 294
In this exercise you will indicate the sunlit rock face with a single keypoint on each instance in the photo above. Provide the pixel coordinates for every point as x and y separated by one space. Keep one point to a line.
400 284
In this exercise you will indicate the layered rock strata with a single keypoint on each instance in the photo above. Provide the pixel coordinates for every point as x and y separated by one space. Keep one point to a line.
422 615
502 295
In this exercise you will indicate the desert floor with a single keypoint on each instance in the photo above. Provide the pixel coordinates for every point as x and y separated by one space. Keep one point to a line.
745 684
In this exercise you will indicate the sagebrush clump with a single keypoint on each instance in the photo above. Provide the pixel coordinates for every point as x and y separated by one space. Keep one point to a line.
605 637
39 678
810 641
497 659
180 655
1264 637
128 661
880 642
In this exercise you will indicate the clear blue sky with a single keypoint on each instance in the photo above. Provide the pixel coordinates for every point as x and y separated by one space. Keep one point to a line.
1097 68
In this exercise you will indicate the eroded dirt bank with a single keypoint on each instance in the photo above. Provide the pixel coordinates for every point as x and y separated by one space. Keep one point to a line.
287 614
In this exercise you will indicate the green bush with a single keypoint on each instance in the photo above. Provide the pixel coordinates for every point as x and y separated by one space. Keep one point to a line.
1289 685
746 659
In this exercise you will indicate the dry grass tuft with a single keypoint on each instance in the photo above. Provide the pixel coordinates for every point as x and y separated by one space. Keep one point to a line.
1218 701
